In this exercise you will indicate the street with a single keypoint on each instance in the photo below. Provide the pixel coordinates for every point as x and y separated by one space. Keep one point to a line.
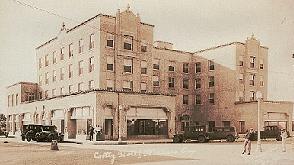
17 152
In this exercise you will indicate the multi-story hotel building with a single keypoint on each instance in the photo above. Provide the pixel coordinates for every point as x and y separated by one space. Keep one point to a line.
117 56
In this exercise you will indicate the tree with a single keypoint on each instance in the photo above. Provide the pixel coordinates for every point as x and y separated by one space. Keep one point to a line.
2 121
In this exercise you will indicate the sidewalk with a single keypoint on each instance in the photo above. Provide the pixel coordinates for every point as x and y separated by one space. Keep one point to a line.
109 142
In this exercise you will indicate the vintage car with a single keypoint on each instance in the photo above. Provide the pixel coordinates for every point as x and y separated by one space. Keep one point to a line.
202 135
49 133
3 132
270 132
38 132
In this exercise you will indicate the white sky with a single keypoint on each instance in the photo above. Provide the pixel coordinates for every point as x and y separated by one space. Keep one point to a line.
189 24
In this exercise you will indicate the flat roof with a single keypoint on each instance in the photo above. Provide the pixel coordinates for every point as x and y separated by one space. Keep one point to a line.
22 82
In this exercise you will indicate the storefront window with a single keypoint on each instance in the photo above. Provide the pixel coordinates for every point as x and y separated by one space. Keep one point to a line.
147 127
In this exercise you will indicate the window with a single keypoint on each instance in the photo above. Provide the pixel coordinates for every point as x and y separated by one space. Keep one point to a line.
211 65
62 53
110 62
54 76
252 96
46 94
252 62
70 71
261 82
91 84
186 68
241 96
128 65
61 73
81 66
61 90
40 80
171 82
156 64
261 64
242 126
143 67
197 83
46 78
211 98
70 50
40 63
241 61
128 42
53 92
80 87
110 40
46 60
186 83
143 47
171 68
185 99
16 99
70 89
8 101
241 77
143 87
155 81
54 57
251 79
81 45
198 99
40 95
91 64
127 85
211 81
91 45
198 67
12 99
109 84
226 123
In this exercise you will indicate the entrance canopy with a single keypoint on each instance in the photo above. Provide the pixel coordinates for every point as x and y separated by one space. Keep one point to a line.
146 113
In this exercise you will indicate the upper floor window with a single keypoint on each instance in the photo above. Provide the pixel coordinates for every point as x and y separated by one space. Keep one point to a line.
128 65
186 83
91 64
46 78
46 94
198 99
185 99
54 76
81 45
241 61
252 62
155 81
53 92
46 60
143 87
251 79
143 47
80 87
171 82
61 90
252 96
143 67
70 89
91 84
70 50
171 68
127 85
81 67
54 57
211 98
210 65
70 71
40 79
8 101
110 62
16 99
109 84
211 81
186 67
62 53
40 63
198 67
261 82
197 83
128 42
156 64
110 40
91 45
61 73
261 64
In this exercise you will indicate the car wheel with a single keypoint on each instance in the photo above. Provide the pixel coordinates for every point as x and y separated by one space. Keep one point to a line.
230 138
29 139
23 138
279 138
177 139
50 138
38 138
201 139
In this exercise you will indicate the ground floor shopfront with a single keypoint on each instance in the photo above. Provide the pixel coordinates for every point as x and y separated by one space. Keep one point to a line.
120 115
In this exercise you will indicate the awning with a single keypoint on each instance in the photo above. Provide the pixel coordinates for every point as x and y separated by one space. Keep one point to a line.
146 113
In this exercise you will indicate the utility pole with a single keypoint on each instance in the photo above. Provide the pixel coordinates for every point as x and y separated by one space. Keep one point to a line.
258 96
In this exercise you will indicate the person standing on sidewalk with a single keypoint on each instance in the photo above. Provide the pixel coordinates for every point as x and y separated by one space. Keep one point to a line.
91 132
284 136
247 143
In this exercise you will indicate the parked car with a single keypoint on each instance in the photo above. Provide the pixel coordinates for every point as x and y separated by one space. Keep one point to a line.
3 132
202 135
49 133
270 132
29 131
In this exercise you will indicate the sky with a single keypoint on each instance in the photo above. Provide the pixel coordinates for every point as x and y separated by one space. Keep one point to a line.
190 24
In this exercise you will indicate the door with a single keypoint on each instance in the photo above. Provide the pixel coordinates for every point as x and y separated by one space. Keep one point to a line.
62 126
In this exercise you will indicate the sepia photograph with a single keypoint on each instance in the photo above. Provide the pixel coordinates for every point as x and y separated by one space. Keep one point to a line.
146 82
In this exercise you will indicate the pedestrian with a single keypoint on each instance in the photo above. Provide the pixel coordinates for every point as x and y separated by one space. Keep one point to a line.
284 136
91 132
247 143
